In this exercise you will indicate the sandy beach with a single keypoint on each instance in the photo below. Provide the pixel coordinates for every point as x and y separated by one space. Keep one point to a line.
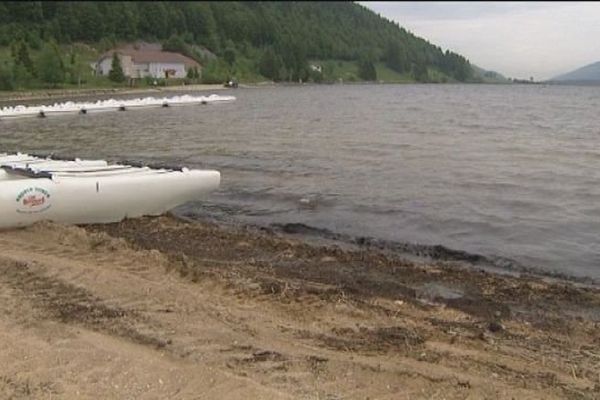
159 308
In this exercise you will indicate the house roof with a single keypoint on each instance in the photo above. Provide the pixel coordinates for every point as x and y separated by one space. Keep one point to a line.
153 56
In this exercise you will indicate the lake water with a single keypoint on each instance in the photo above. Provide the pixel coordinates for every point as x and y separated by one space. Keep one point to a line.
503 175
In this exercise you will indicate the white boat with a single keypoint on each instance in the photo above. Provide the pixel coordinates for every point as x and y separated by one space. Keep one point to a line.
33 189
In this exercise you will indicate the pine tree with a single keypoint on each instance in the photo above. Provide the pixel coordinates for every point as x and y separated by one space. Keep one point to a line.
193 74
116 70
22 57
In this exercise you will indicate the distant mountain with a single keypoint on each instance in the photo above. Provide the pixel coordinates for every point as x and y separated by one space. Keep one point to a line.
590 73
486 76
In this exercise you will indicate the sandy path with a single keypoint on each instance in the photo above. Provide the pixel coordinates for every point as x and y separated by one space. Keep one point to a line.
86 315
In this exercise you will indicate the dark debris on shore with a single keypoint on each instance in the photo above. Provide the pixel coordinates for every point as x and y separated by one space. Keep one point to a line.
284 265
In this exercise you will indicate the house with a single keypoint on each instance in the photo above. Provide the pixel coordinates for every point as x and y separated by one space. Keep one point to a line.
147 61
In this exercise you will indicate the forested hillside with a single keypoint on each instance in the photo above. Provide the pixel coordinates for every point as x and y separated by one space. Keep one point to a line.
274 40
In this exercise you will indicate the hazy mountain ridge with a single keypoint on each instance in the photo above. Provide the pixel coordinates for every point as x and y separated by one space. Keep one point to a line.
588 73
487 76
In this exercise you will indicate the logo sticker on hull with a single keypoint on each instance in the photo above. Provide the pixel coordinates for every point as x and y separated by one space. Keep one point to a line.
33 200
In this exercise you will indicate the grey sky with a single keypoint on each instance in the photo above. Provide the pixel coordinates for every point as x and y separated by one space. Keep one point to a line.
517 39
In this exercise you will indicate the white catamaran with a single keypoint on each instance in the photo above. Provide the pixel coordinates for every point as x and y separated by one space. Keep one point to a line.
36 188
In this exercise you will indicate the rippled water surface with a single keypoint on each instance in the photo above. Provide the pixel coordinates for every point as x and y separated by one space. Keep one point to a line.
506 172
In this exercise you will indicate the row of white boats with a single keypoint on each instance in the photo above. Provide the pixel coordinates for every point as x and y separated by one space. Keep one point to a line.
70 107
35 188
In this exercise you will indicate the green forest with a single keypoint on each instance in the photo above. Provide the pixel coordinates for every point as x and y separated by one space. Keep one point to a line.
51 44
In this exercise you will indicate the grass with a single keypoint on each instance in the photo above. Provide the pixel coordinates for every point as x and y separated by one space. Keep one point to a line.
347 71
388 75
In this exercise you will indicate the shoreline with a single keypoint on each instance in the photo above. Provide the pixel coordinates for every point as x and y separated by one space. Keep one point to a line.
176 309
6 97
41 94
420 253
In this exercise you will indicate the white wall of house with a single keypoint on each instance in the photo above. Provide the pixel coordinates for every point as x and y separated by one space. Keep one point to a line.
142 70
157 70
105 65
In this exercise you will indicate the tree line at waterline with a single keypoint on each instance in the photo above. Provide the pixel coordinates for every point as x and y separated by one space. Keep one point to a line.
253 40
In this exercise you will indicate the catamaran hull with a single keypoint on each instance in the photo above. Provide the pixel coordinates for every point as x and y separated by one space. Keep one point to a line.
100 199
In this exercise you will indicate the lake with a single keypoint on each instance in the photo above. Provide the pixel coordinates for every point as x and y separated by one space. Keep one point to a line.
502 175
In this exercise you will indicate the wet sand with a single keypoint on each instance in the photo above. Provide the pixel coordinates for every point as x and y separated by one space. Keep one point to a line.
160 308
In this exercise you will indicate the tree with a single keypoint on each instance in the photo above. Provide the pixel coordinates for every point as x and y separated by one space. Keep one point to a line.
215 71
456 66
193 74
366 70
316 76
328 69
176 44
21 77
4 16
420 73
229 55
152 19
50 65
26 12
190 73
396 57
22 57
201 23
78 70
6 78
270 64
116 70
293 55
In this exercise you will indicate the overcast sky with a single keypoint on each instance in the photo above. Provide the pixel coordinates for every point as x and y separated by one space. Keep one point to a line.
517 39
